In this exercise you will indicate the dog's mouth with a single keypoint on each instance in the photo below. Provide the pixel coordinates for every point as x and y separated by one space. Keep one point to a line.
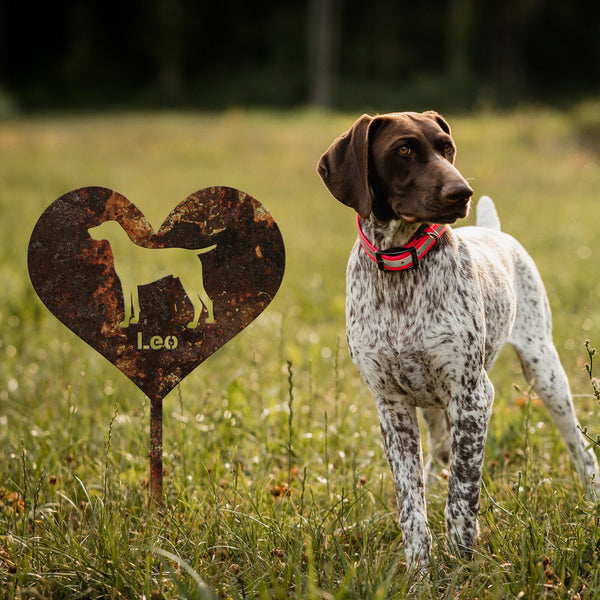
408 218
461 212
449 216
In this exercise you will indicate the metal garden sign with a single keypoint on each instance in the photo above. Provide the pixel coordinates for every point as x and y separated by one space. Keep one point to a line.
156 304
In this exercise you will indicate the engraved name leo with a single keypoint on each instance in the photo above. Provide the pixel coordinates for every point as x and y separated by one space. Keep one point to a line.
157 342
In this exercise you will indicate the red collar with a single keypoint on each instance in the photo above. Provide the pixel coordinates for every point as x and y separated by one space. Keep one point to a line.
404 257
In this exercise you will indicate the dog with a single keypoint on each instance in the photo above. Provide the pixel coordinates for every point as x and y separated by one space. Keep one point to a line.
136 265
428 309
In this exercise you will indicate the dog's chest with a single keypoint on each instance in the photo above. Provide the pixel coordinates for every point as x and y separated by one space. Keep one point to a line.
416 332
394 307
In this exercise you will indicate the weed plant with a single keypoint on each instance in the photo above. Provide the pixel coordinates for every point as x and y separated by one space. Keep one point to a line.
275 482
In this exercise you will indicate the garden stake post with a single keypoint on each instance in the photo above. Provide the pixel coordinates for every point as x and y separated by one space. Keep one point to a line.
156 304
156 451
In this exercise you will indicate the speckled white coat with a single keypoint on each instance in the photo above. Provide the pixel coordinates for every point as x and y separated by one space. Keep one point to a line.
426 338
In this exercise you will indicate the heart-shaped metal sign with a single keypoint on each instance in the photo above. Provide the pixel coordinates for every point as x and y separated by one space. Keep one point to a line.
156 303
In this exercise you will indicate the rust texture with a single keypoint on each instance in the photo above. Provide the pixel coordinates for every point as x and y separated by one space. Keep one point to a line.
75 276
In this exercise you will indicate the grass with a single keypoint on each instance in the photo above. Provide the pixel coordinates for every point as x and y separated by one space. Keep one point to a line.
276 486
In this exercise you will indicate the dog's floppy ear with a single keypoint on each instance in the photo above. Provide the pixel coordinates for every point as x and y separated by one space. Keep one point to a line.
439 120
344 168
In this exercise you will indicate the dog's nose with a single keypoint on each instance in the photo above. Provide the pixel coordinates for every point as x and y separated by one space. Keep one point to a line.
457 192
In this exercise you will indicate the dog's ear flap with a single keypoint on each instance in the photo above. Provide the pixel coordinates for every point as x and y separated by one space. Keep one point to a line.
344 168
439 120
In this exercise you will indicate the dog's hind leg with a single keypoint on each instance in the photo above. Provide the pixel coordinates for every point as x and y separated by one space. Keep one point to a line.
438 458
543 370
532 339
198 299
208 303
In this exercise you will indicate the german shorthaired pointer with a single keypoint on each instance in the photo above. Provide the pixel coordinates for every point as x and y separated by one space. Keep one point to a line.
427 314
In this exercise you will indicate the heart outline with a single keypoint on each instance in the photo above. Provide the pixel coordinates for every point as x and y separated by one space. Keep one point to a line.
75 278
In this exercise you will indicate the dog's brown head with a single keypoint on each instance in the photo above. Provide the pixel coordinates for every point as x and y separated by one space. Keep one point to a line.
397 165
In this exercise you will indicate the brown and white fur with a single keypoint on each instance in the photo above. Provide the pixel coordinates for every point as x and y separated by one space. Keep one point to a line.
426 338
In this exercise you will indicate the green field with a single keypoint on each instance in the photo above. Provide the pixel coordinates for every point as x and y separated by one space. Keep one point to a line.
276 485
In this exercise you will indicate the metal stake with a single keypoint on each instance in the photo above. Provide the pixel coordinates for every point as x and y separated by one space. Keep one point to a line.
156 451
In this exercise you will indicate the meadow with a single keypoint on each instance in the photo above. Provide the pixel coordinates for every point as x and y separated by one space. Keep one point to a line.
275 482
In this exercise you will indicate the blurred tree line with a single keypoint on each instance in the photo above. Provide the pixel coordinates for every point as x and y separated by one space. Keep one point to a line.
381 54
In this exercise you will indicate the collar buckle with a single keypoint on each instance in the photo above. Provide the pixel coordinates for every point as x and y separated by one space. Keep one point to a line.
434 231
395 254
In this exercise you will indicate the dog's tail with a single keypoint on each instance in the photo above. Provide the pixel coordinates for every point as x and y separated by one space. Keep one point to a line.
486 214
204 250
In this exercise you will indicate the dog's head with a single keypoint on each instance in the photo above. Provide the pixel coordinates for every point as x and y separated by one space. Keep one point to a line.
397 165
108 230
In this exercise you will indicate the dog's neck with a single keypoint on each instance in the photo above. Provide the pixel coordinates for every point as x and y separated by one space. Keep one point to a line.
390 233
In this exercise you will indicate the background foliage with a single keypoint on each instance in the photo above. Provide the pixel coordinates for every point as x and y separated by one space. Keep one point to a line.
378 55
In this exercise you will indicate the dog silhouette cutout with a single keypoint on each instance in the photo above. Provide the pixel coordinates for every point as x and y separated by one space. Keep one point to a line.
136 265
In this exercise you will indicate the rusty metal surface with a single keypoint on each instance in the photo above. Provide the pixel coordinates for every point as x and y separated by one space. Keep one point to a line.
156 451
75 274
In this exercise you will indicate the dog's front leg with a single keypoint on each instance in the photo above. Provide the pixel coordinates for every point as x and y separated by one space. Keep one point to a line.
402 444
469 413
127 306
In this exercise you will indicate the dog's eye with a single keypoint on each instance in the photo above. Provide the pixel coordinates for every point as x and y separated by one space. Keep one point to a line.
448 148
404 150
